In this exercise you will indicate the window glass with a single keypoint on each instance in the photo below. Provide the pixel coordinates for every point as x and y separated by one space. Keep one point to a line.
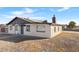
10 27
16 27
40 28
54 29
27 27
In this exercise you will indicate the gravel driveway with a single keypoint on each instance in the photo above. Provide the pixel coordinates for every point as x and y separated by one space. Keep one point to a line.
64 42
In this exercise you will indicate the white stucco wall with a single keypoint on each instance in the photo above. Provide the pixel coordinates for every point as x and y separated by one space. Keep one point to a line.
49 30
33 31
13 30
57 32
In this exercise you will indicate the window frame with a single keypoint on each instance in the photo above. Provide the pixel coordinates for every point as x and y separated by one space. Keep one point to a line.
11 27
58 28
27 28
16 27
54 29
37 28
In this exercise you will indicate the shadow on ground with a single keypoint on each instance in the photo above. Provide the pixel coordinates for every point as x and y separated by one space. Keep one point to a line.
18 38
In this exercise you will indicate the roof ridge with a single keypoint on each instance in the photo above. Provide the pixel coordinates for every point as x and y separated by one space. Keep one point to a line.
33 20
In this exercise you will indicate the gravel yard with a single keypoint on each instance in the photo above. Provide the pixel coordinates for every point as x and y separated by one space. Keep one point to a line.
64 42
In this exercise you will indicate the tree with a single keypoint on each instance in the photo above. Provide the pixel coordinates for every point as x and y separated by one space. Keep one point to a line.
72 24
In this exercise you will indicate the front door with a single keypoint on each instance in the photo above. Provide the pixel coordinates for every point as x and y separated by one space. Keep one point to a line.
22 29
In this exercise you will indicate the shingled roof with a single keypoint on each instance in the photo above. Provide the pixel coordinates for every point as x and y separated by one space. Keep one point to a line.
28 20
34 21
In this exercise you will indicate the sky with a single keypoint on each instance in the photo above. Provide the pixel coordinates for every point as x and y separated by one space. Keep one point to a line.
63 14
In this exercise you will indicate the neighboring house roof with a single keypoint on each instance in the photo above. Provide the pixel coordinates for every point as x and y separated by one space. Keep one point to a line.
31 21
2 26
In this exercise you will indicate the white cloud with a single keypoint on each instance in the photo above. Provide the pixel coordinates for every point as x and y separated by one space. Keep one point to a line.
63 9
22 12
38 18
28 10
17 12
7 18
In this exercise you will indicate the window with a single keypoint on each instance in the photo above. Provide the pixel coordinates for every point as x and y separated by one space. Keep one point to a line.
16 27
27 27
10 27
58 28
54 29
40 28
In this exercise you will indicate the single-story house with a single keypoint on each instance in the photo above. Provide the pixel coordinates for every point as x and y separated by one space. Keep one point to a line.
30 27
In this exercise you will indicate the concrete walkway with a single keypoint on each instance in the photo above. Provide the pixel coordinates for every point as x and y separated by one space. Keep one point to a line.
17 37
71 31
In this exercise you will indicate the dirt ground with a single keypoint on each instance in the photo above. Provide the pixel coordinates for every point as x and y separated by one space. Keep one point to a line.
64 42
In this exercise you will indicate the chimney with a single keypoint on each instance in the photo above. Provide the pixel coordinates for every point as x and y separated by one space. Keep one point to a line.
54 19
